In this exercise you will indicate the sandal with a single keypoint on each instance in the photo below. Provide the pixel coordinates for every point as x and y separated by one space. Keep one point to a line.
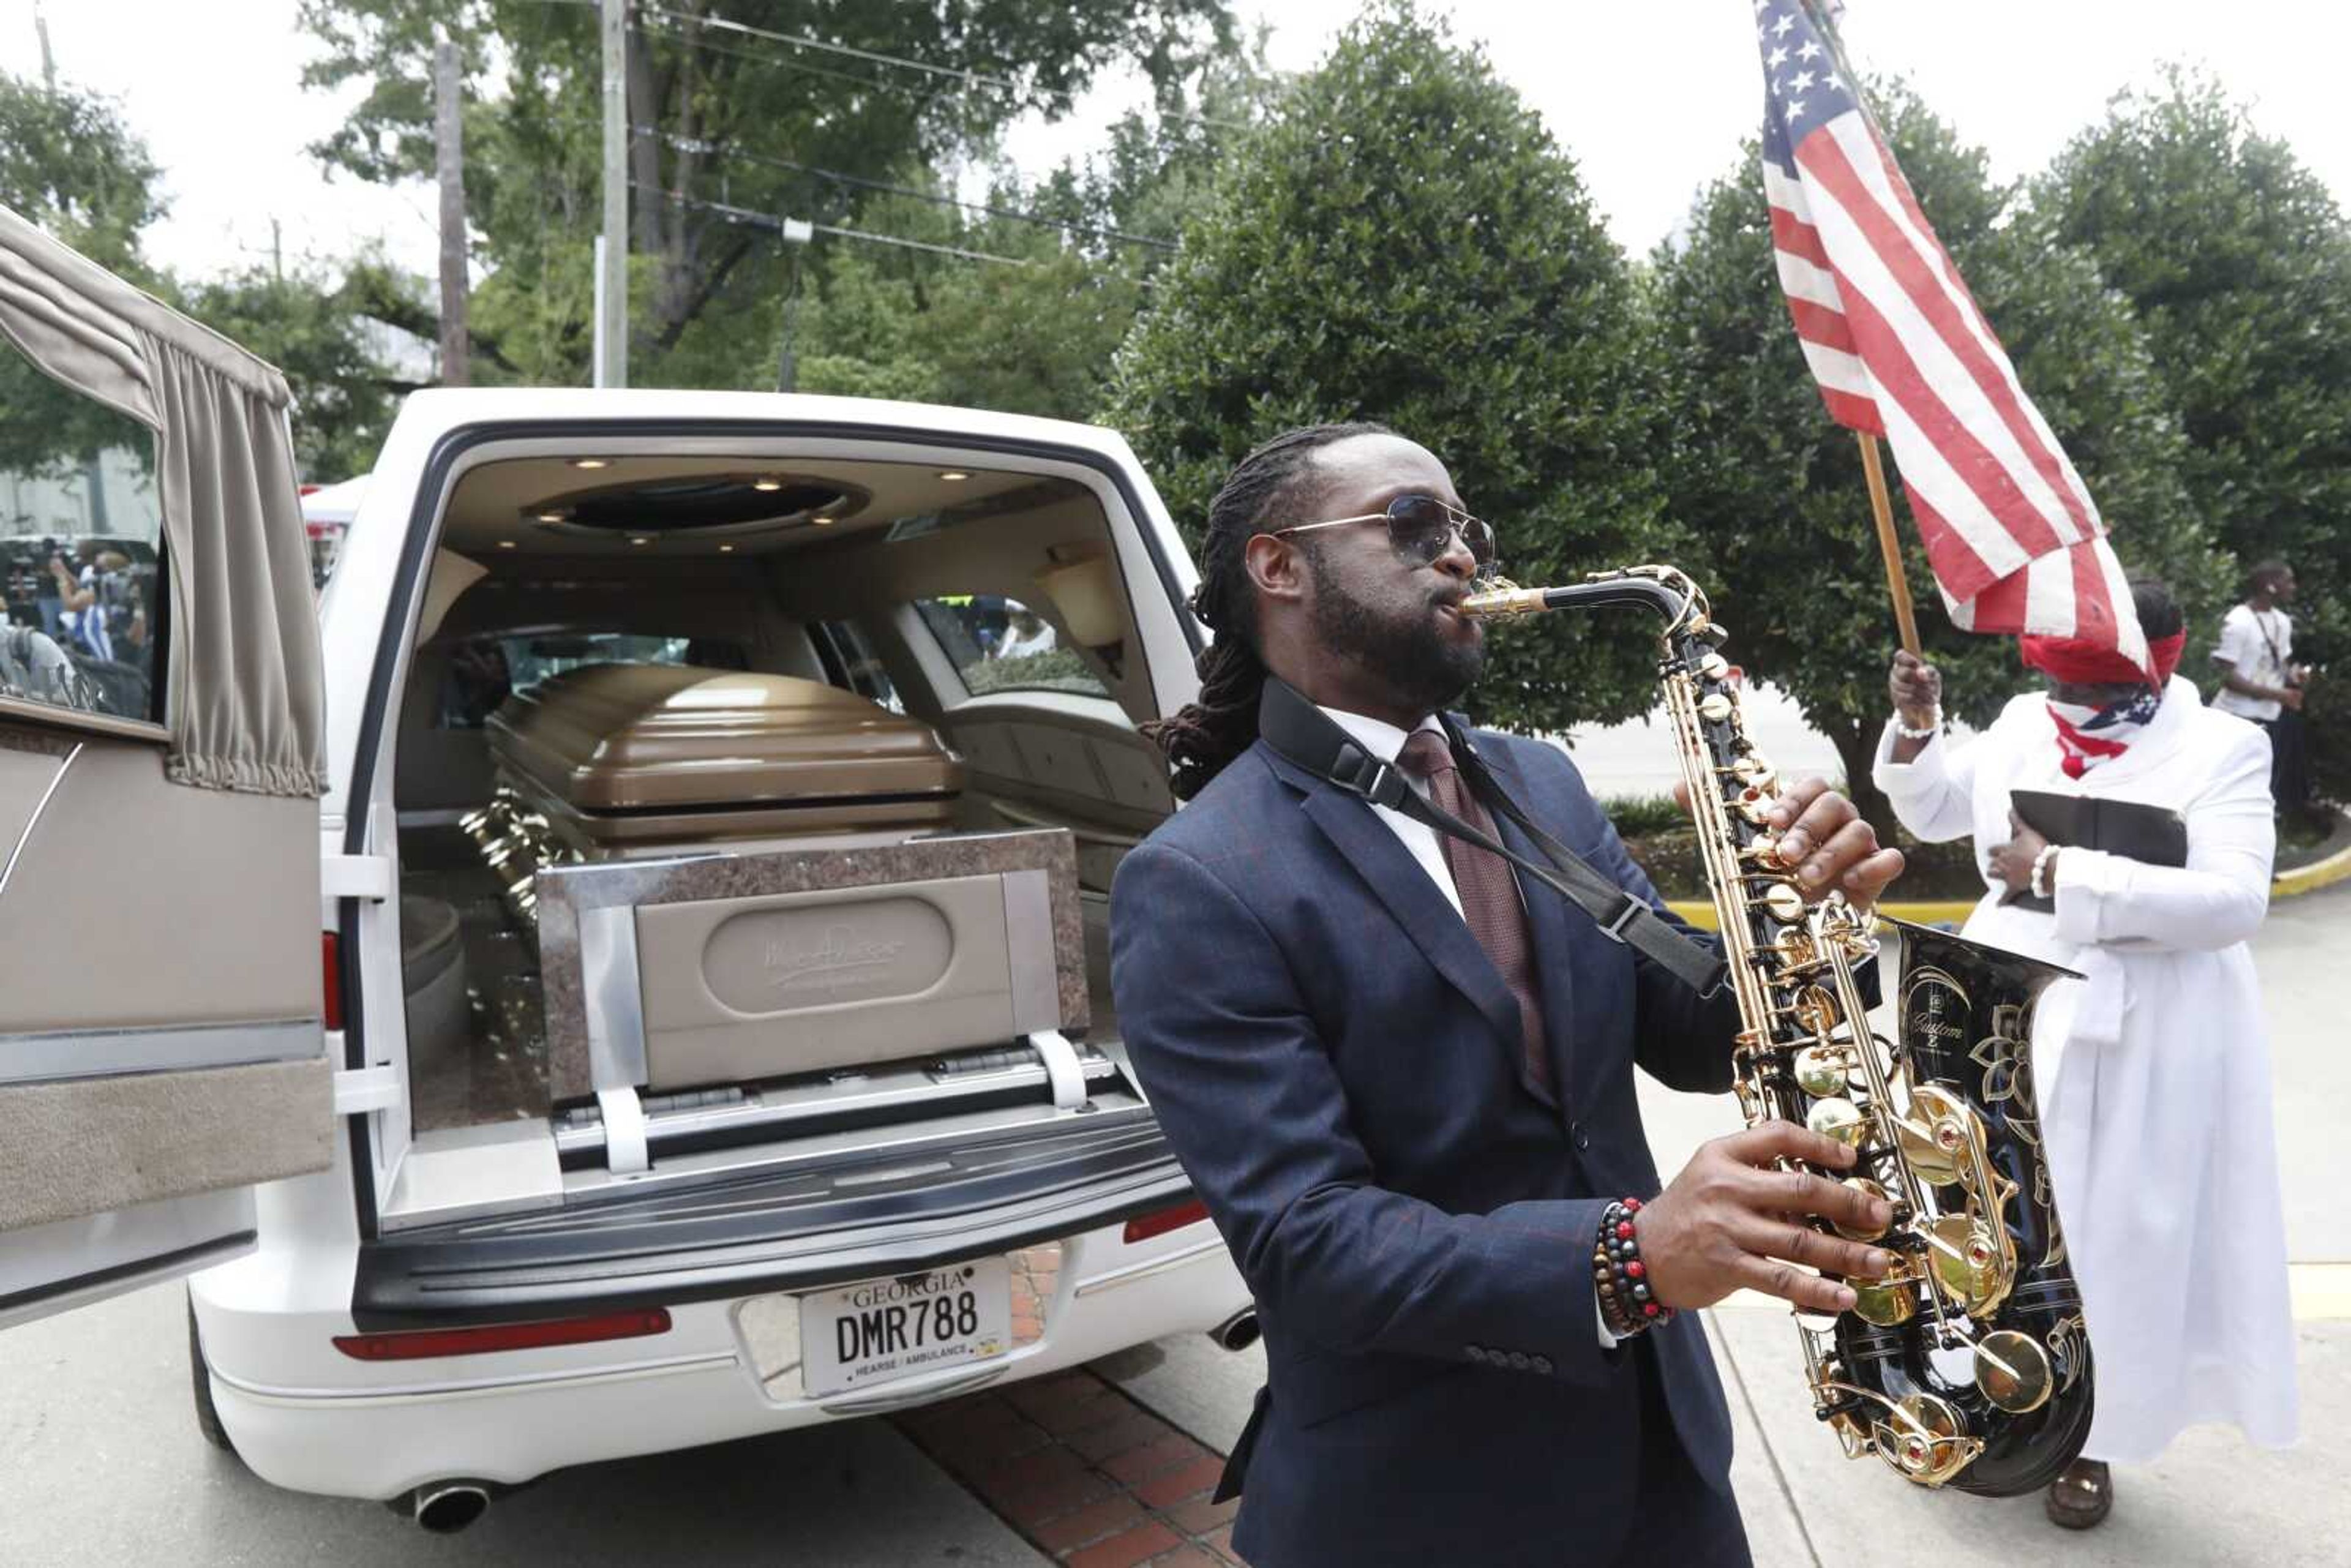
2083 1495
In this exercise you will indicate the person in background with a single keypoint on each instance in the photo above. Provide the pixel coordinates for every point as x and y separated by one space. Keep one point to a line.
2152 1077
1025 633
82 598
2261 682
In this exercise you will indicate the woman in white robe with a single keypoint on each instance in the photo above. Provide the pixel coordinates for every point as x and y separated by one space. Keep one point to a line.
2153 1072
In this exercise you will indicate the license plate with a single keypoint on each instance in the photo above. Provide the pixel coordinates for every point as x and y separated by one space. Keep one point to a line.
871 1333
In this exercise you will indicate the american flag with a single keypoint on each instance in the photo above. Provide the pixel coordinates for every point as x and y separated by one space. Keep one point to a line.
1900 350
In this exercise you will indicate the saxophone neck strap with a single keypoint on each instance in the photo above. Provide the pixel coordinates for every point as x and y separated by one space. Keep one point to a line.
1310 738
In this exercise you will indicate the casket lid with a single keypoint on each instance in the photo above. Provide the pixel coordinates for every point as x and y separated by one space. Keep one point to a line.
623 738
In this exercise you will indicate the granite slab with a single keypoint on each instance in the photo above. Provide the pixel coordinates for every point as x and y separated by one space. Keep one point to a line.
565 893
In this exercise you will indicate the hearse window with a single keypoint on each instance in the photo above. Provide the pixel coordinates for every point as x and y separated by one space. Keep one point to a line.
850 661
81 523
1000 645
485 670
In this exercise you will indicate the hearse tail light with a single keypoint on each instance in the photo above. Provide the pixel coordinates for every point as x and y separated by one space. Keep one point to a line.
1160 1221
330 978
419 1344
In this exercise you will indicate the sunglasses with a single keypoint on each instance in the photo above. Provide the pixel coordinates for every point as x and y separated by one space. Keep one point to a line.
1421 528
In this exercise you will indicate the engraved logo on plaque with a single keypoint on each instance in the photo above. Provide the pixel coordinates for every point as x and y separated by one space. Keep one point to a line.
782 959
838 960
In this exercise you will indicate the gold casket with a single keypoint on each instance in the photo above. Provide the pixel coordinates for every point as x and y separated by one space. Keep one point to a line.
617 757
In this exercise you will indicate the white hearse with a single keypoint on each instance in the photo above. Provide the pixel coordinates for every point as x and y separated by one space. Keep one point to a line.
629 970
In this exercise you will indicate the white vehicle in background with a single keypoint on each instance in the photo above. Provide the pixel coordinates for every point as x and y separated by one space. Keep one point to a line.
326 514
715 1034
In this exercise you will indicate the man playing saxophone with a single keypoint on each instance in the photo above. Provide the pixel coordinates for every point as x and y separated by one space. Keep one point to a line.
1401 1077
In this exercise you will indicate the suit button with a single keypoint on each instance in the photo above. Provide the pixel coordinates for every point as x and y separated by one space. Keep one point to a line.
1542 1364
1576 1131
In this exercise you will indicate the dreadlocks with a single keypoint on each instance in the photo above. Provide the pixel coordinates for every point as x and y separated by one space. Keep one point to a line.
1207 734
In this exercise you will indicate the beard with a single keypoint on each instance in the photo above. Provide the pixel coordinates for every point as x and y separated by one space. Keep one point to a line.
1408 649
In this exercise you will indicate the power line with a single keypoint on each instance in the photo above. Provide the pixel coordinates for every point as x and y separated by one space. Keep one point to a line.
968 78
774 225
760 58
872 56
728 150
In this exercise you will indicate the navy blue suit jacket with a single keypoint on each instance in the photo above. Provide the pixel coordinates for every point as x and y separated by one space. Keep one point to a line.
1338 1065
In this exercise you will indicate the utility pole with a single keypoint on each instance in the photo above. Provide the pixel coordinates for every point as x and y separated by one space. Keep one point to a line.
449 165
49 62
612 258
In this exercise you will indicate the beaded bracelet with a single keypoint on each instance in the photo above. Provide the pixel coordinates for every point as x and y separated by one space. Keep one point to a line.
1932 727
2040 869
1620 1275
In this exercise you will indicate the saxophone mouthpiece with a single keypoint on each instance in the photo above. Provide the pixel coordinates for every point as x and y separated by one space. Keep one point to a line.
1503 600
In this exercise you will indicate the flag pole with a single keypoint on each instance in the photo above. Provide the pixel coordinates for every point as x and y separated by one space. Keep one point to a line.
1881 507
1898 583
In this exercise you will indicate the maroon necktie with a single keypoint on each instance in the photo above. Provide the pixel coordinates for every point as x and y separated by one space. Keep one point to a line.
1489 895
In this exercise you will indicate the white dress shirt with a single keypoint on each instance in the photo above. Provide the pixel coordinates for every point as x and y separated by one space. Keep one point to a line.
1383 740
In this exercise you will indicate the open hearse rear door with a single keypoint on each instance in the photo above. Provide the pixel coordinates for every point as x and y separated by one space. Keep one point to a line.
162 734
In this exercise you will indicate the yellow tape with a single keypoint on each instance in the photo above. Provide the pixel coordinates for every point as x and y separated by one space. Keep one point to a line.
1924 913
2310 878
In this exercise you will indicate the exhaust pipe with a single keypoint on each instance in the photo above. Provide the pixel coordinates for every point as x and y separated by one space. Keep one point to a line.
1238 1332
445 1508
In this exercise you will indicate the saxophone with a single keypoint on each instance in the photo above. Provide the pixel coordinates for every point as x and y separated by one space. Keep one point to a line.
1967 1365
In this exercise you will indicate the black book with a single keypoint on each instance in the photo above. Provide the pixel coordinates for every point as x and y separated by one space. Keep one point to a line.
2153 834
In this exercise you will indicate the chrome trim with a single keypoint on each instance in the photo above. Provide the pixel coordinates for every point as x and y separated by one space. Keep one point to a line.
345 1398
105 1052
780 1107
1133 1271
898 1398
611 997
595 1183
35 819
1029 944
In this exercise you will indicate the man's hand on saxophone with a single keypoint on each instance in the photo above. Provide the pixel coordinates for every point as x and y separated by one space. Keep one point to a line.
1732 1219
1729 1221
1828 844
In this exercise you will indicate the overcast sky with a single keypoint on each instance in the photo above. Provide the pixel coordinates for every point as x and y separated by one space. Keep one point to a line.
1651 96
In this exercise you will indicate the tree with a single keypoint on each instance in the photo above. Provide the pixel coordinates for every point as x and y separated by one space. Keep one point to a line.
1773 493
743 110
306 323
69 163
2238 261
1406 243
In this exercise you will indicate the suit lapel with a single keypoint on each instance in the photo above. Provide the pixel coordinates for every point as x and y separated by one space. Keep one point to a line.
1547 926
1399 882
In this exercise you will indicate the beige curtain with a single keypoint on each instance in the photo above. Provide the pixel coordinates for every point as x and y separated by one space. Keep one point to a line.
246 703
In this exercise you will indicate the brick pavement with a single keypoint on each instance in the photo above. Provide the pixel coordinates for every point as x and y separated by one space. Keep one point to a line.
1089 1476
